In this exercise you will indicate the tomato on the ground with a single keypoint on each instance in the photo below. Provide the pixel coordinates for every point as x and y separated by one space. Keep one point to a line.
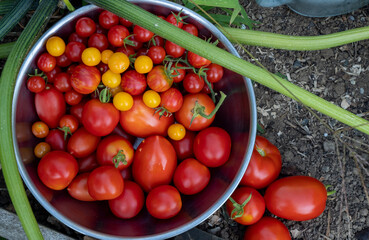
267 228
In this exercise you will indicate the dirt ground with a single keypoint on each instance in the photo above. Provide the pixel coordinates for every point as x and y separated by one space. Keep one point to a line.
339 75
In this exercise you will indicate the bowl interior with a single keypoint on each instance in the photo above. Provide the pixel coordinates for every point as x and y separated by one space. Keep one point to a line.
237 115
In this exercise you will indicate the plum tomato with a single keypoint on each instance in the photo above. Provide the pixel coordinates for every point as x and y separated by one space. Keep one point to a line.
171 100
191 176
267 228
85 27
36 84
129 203
158 80
57 140
164 202
184 147
85 79
246 206
82 143
154 162
57 169
141 34
108 19
105 183
46 62
193 83
78 188
197 61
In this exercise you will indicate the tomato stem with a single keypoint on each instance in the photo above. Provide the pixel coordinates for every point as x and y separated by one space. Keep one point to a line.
238 208
203 74
120 157
105 95
66 131
330 192
260 150
162 112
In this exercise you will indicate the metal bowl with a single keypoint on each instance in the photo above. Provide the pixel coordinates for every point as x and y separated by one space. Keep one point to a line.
237 115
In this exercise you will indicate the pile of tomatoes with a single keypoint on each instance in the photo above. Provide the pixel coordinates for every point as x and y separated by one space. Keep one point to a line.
111 85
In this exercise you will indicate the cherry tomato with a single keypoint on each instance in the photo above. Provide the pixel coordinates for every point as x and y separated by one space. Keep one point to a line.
82 143
297 198
108 19
50 106
76 110
267 228
102 67
212 146
40 129
78 188
57 169
141 121
105 183
68 124
191 177
164 202
50 76
193 83
125 22
57 140
105 55
62 82
197 61
143 64
141 34
246 206
55 46
133 82
214 73
154 162
46 62
87 164
190 28
175 19
98 41
117 35
85 79
36 84
171 100
173 49
72 97
178 72
151 99
176 131
158 80
41 149
85 27
184 147
123 101
111 79
99 118
118 62
129 203
156 41
206 88
91 56
74 37
157 54
127 50
135 44
63 61
74 50
265 165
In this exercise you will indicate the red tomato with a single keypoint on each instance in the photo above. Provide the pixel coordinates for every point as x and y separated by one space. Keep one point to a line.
171 100
178 72
68 124
157 54
57 169
125 22
46 62
87 164
190 28
74 50
126 173
214 73
141 34
116 151
164 202
197 61
63 61
108 19
184 147
62 82
127 50
173 49
156 41
141 121
267 228
265 165
212 146
175 19
129 203
297 198
50 106
105 183
78 188
158 80
99 41
117 35
36 84
191 176
118 130
243 211
184 115
72 97
99 118
57 140
85 27
51 75
76 110
133 82
134 42
193 83
85 79
82 143
74 37
154 162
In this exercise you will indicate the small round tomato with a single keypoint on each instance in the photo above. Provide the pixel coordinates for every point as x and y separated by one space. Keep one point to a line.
46 62
91 56
56 139
36 84
108 19
158 80
175 19
143 64
157 54
197 61
105 183
41 149
133 82
62 82
40 129
206 88
212 146
190 28
141 34
111 79
151 99
50 76
191 176
74 37
125 22
68 124
85 79
214 73
63 61
102 67
118 62
173 49
116 151
184 147
82 143
171 100
98 41
129 203
57 169
85 27
297 198
164 202
123 101
78 188
117 35
267 228
193 83
74 50
105 55
177 72
55 46
72 97
89 163
176 131
246 206
156 41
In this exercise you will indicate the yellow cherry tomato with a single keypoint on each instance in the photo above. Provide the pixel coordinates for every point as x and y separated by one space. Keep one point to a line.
123 101
151 98
118 62
143 64
91 56
111 79
55 46
176 131
105 55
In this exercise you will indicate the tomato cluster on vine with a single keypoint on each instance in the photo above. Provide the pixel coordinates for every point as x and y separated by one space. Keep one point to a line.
111 84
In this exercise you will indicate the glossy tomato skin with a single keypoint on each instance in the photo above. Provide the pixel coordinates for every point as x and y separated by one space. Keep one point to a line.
87 164
117 34
191 176
193 83
171 100
78 188
173 49
56 140
82 143
110 146
85 27
157 54
190 28
212 146
46 62
184 115
129 203
108 19
85 79
157 80
164 202
99 118
253 210
74 50
99 41
184 147
267 228
265 165
57 169
141 121
133 82
62 82
297 198
154 162
50 106
197 61
142 34
214 73
105 183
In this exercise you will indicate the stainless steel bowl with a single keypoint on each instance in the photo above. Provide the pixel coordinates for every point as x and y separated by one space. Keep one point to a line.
237 116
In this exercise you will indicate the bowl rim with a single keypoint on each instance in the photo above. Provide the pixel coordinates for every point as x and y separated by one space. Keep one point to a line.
169 233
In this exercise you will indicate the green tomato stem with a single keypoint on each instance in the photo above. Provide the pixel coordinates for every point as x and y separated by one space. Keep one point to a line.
238 209
119 157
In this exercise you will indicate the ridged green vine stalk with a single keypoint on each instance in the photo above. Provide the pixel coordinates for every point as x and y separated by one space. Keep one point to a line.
6 6
7 81
5 49
300 43
166 30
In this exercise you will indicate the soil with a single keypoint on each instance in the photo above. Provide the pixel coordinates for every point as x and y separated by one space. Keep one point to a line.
308 147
